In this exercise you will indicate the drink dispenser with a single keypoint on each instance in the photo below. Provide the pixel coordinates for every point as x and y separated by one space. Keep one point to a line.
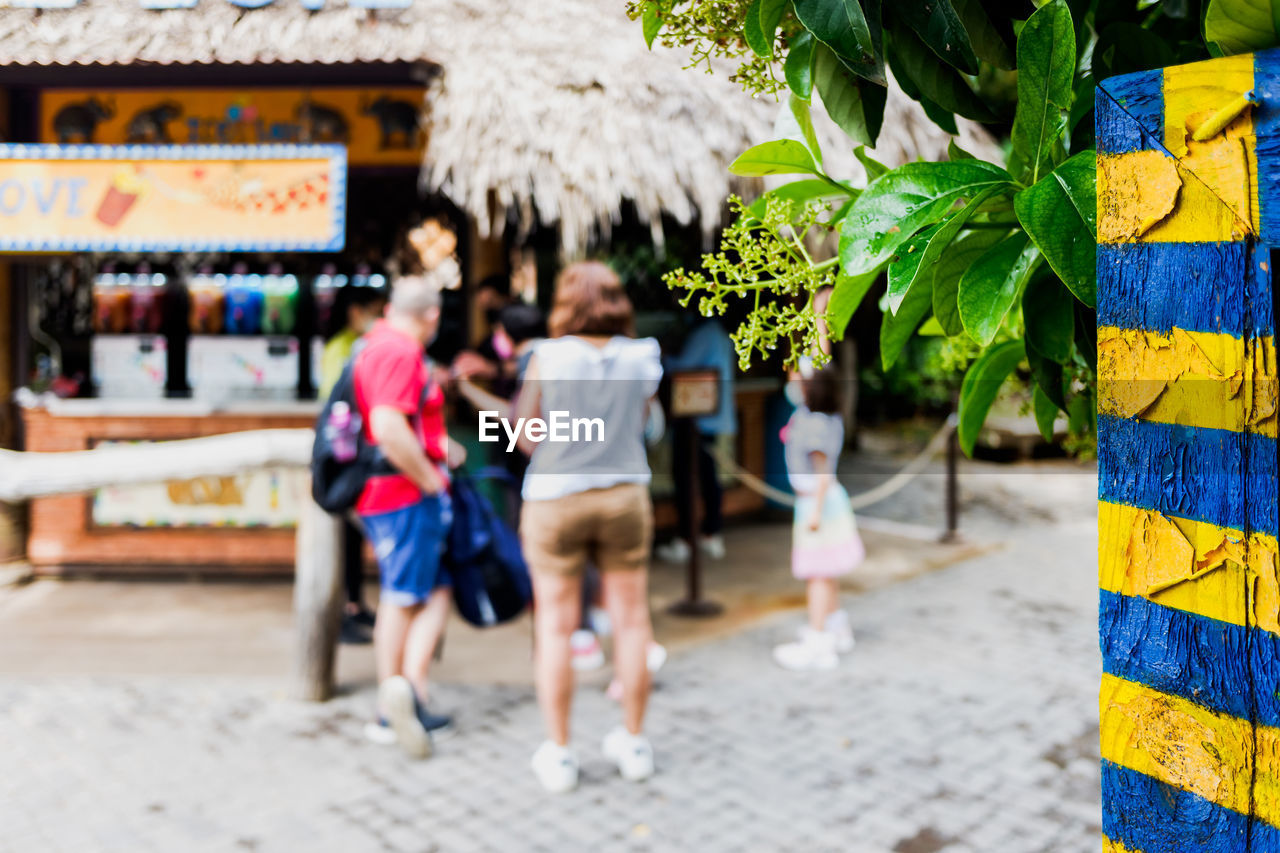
245 299
207 298
281 298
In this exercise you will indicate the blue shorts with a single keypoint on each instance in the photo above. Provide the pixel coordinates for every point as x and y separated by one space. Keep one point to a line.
409 544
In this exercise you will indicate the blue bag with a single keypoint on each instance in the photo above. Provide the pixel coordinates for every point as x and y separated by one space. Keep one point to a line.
490 579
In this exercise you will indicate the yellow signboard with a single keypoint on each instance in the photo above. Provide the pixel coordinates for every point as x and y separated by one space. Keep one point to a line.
379 126
231 198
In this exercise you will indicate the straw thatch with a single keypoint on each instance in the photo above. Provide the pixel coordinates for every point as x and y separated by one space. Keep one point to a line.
551 112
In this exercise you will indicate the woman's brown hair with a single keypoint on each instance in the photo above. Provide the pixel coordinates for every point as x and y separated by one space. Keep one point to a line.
822 391
589 300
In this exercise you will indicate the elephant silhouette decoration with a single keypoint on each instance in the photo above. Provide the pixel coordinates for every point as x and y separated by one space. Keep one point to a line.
151 126
322 124
398 122
78 121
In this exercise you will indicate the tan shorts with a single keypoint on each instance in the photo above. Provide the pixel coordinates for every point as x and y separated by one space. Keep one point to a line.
612 527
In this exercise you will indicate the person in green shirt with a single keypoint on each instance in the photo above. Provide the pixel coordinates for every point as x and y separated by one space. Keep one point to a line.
355 308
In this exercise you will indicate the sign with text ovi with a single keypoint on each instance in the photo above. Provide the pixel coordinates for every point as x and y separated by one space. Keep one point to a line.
379 126
226 198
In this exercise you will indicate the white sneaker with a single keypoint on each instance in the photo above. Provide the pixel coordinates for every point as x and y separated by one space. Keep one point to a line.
586 652
675 551
600 621
838 627
633 754
713 546
556 767
815 650
655 657
400 706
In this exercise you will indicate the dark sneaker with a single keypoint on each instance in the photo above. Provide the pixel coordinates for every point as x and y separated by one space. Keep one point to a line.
400 705
439 725
352 633
364 616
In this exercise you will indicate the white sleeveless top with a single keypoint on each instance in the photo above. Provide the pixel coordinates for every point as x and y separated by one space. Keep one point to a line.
603 393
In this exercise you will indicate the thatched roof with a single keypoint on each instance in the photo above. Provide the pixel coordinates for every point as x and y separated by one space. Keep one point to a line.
544 111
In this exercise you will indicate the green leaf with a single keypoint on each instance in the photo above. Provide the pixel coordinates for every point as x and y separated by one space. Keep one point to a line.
934 247
848 294
652 23
904 267
1240 26
981 386
989 288
1046 67
798 69
853 103
780 157
1060 214
804 119
955 152
1048 315
841 25
949 269
753 34
932 328
939 26
1082 414
985 38
1125 47
917 69
939 116
1046 412
899 203
896 329
1048 375
873 167
771 12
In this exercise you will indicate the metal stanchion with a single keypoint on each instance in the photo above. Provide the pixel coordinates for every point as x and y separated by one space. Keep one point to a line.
693 393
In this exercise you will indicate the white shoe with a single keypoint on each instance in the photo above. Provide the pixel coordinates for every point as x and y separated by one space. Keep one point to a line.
400 706
556 767
815 650
633 754
586 652
655 657
600 621
838 627
713 546
675 551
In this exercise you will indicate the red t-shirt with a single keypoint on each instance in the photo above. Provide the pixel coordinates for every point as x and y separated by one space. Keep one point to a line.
392 371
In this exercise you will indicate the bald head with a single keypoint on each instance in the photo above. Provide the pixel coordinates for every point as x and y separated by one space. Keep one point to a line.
414 295
415 307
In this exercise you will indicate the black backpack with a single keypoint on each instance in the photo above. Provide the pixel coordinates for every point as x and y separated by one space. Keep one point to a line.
336 485
490 579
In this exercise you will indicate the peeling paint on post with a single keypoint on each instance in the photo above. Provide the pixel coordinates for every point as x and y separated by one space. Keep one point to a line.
1189 616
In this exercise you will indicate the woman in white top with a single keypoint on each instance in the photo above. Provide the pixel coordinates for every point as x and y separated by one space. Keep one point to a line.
588 498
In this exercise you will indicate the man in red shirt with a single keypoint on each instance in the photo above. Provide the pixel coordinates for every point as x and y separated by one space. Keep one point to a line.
407 514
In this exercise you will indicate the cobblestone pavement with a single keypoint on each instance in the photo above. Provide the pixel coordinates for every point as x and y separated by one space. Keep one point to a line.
964 722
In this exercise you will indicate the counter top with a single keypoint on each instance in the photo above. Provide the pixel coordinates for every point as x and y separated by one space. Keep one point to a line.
97 408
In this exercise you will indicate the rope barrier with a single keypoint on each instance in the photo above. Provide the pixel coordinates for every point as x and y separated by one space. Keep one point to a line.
859 501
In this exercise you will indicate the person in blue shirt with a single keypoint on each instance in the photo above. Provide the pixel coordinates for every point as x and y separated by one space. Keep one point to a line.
707 346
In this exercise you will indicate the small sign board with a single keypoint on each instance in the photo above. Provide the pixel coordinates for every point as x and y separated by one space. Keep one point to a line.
120 198
695 393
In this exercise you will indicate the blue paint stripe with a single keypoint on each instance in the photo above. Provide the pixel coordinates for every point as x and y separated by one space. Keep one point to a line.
1145 814
1266 124
1129 112
1225 667
1192 286
1191 472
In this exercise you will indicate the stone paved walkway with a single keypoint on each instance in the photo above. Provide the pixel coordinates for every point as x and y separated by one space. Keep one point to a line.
964 722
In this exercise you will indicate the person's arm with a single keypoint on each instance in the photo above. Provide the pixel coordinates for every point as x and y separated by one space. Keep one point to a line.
392 432
528 405
483 400
818 460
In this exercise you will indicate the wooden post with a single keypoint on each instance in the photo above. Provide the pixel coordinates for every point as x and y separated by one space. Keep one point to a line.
317 602
1188 209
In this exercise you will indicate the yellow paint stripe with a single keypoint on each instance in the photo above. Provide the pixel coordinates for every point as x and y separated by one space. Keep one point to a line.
1224 163
1191 748
1203 379
1190 566
1149 197
1109 846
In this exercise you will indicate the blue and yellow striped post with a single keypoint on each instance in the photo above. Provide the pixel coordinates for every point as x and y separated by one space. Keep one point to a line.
1189 615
